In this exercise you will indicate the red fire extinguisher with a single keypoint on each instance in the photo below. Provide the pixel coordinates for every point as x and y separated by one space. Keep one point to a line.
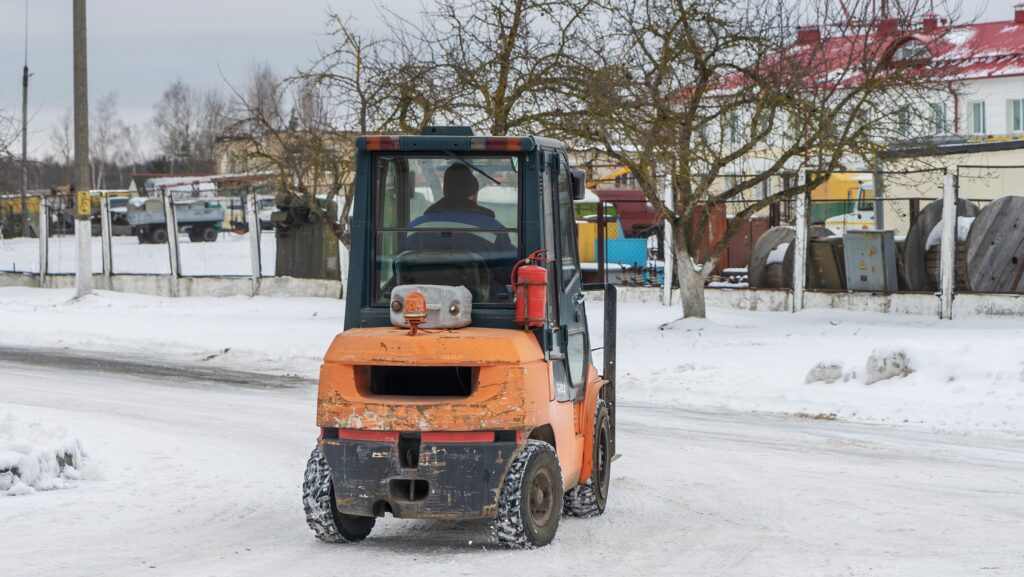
530 281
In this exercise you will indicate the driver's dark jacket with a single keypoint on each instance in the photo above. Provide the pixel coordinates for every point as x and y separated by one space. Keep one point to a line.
483 236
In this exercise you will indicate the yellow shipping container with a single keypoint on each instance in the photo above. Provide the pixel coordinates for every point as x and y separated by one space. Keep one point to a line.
586 232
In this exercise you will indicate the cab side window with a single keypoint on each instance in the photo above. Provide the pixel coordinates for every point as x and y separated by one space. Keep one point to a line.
567 227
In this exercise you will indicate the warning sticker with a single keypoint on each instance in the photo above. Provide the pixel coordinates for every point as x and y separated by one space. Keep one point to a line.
84 203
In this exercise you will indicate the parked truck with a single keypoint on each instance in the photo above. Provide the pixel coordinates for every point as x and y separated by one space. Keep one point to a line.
201 219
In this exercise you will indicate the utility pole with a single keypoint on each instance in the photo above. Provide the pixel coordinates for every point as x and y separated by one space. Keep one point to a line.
24 135
83 226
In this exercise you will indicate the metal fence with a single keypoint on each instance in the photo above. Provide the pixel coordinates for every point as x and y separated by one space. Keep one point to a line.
242 246
884 242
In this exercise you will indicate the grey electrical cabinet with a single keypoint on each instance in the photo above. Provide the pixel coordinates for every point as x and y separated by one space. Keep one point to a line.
870 260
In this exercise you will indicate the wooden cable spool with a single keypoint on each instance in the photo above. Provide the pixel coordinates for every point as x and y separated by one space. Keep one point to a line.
933 264
994 252
777 275
758 275
915 257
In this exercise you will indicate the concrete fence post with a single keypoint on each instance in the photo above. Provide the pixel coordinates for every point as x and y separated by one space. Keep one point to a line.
800 252
105 239
947 247
252 217
669 256
171 222
44 238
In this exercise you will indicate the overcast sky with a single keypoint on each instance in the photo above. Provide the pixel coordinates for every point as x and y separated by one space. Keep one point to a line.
137 47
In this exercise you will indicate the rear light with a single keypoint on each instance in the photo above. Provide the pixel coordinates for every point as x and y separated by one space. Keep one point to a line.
361 435
496 143
382 143
458 437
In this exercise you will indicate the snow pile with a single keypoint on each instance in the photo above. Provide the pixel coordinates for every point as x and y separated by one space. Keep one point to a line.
963 228
778 254
36 457
829 371
887 363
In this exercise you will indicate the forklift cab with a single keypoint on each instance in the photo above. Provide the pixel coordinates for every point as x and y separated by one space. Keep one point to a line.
479 415
408 231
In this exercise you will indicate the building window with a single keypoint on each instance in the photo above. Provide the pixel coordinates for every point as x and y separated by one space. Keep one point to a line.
732 128
977 123
1016 115
913 50
939 118
903 122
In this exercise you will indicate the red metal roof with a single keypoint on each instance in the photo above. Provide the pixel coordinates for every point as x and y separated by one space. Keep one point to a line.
985 49
961 52
967 51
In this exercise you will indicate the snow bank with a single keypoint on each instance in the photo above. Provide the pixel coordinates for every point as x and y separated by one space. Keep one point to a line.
964 375
37 457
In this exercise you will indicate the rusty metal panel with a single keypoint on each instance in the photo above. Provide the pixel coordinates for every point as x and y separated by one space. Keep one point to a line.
742 243
826 267
463 479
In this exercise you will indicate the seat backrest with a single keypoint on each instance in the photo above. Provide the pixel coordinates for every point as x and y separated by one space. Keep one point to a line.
444 267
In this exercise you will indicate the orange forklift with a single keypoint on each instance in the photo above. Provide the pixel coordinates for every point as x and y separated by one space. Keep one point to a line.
462 386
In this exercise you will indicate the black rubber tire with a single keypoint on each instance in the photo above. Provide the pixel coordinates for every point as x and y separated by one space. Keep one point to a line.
589 499
208 234
194 236
158 235
322 514
534 479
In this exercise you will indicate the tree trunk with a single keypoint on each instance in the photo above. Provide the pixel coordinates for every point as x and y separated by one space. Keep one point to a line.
691 287
691 281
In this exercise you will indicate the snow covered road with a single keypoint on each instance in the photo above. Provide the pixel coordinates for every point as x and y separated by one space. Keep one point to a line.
199 474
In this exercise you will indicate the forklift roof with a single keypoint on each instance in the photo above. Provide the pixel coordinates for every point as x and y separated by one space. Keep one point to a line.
451 140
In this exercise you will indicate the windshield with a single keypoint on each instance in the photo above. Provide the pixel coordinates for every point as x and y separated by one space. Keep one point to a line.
447 220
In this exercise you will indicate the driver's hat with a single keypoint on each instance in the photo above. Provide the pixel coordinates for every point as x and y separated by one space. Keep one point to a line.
459 182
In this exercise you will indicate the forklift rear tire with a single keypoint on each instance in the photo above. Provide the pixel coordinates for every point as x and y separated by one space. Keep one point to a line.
531 498
322 514
589 499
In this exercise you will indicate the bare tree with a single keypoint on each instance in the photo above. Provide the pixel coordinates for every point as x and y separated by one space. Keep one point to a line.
62 144
309 157
379 83
714 98
9 132
359 83
108 134
502 64
186 123
262 98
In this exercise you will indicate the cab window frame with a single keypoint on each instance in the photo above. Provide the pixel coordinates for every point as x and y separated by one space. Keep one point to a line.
566 283
376 206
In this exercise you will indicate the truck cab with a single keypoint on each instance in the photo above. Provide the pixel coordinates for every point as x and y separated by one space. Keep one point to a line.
479 414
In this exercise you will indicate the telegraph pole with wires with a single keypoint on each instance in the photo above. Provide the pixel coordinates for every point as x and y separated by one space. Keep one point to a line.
83 204
24 135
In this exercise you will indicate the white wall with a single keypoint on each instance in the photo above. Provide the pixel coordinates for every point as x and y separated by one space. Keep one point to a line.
995 92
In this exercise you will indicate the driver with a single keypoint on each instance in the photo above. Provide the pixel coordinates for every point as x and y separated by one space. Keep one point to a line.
458 209
458 204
